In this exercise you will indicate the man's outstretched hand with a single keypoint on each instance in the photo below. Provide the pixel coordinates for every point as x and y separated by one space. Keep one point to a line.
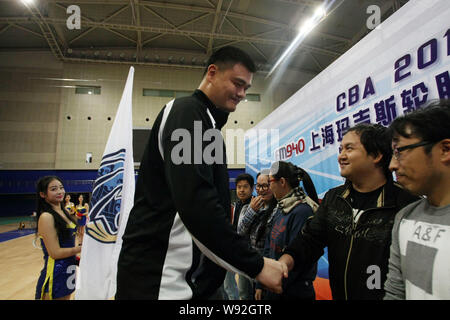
272 274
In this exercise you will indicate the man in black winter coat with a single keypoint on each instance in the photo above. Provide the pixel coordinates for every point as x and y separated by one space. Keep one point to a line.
355 219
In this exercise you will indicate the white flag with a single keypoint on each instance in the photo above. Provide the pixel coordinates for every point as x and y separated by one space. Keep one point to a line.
112 200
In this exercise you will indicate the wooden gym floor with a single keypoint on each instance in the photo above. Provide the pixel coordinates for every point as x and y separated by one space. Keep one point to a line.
20 264
20 261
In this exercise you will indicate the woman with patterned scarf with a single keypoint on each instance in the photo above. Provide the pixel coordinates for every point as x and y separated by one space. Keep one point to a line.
294 207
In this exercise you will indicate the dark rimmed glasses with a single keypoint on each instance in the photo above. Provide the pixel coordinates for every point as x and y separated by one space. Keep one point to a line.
262 187
396 152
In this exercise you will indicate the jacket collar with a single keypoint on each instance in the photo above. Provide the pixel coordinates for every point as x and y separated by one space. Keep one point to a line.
219 116
246 201
382 201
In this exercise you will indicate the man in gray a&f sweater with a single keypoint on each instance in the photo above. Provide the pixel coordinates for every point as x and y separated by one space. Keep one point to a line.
419 264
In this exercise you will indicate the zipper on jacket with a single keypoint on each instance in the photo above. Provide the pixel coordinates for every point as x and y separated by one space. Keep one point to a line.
349 250
354 225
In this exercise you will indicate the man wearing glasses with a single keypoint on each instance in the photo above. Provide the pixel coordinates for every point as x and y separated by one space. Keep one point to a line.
355 219
419 264
257 215
255 220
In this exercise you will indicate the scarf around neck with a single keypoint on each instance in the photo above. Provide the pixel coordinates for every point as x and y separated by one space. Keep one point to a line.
295 197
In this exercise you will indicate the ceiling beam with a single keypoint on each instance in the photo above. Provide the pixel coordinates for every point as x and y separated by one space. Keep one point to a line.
115 26
128 27
190 8
46 29
137 21
211 10
97 2
85 19
58 29
7 27
318 64
150 29
88 20
332 37
214 27
25 29
174 26
251 44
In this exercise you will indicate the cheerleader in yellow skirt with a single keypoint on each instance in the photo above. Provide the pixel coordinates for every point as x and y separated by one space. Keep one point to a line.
56 229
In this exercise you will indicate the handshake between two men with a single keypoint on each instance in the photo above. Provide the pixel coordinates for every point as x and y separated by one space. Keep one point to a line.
272 274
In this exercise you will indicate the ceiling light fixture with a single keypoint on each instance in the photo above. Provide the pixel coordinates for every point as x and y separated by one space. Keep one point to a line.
319 15
320 12
307 26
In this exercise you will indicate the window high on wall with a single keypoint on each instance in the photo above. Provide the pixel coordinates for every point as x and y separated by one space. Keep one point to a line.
88 90
165 93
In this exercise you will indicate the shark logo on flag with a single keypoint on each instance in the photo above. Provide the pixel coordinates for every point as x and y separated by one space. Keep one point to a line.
106 198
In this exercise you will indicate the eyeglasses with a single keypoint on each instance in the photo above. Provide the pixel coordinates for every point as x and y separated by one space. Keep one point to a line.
262 187
272 180
397 151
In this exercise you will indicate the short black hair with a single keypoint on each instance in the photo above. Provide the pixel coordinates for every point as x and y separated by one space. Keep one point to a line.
228 56
246 177
431 123
376 140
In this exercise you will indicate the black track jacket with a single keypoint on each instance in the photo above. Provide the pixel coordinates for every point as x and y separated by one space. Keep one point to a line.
181 211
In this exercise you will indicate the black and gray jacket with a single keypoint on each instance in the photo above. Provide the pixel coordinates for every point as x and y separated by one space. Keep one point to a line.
180 220
358 252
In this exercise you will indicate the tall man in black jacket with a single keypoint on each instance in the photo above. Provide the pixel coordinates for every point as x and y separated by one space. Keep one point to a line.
180 220
355 220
